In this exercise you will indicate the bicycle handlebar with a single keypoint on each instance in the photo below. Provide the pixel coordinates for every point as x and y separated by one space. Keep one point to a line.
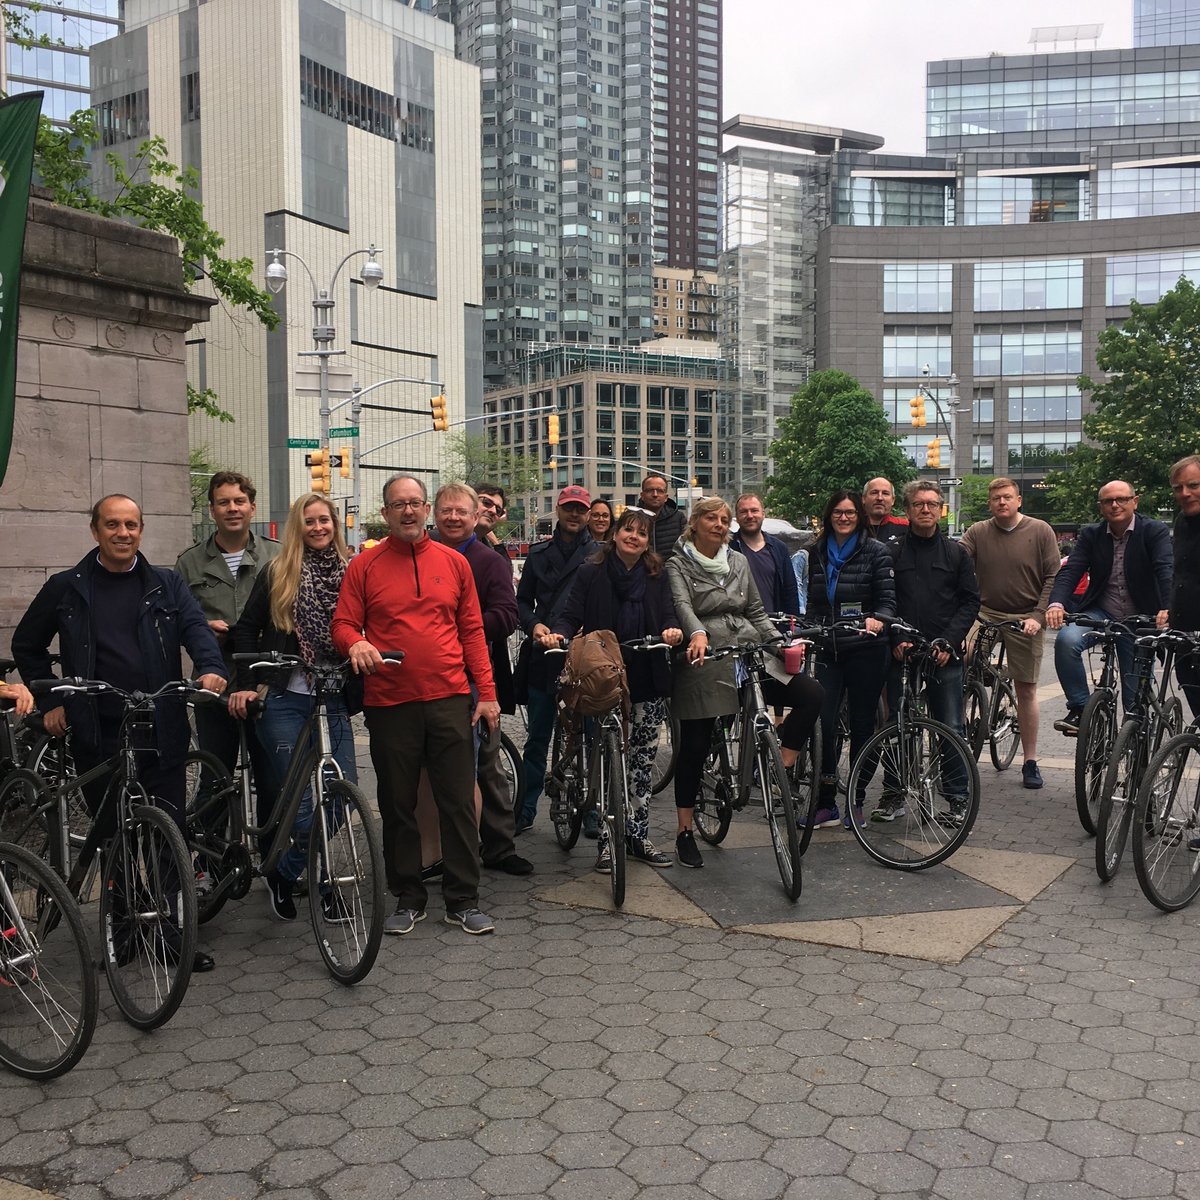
74 684
276 658
1137 623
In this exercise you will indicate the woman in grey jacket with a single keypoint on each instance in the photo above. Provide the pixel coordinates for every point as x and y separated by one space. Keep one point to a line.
718 605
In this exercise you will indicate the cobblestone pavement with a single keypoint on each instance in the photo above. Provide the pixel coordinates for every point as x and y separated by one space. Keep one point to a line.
580 1053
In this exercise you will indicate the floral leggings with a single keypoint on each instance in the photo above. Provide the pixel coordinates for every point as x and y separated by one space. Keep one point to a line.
645 721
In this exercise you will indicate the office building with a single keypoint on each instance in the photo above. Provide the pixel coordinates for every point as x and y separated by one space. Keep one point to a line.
685 304
355 125
1166 22
61 68
567 154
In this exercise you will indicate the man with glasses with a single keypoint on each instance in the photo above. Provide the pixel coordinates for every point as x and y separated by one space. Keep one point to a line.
668 518
1127 559
493 508
937 592
410 593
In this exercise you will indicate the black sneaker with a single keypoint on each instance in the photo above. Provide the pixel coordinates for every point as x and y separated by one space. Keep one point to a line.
1070 723
1031 777
687 850
644 850
279 892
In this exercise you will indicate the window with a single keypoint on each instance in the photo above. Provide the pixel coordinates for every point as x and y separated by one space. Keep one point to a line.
1023 201
1028 350
1025 284
1055 404
907 352
917 287
1146 277
862 201
1037 453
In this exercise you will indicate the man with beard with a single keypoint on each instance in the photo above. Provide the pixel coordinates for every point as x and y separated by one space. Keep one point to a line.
770 566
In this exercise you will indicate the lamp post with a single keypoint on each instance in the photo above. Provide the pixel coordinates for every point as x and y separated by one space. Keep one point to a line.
323 305
947 418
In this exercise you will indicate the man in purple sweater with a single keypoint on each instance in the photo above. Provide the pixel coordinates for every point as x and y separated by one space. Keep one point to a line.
455 514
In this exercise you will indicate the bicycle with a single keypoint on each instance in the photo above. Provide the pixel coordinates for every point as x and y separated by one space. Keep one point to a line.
990 700
924 801
147 901
1098 723
48 994
345 851
744 757
1156 715
587 773
1166 823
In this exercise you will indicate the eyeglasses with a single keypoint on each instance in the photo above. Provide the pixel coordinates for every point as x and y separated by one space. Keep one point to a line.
924 504
404 505
488 502
1117 499
846 514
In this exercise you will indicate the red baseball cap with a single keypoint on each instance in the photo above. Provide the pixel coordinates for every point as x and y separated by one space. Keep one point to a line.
574 494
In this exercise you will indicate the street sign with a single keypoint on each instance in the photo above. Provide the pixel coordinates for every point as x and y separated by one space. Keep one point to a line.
344 431
306 381
334 460
352 508
303 444
955 482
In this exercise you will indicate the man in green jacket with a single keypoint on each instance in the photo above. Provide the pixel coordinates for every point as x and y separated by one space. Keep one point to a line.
220 573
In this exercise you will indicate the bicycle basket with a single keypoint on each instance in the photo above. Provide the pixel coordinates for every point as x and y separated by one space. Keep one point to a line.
594 679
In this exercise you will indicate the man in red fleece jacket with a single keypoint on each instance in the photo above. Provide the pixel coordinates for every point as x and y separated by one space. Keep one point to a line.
411 594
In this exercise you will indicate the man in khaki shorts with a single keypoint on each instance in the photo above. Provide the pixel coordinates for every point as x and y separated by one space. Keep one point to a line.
1016 559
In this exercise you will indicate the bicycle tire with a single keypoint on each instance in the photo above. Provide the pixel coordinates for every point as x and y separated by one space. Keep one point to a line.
1004 730
566 809
785 838
714 797
975 710
804 777
345 893
513 766
1117 797
662 770
1168 870
1094 743
148 955
612 779
209 802
22 794
49 1004
926 828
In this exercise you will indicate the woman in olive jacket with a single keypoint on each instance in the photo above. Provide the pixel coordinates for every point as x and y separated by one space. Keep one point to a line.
850 576
718 605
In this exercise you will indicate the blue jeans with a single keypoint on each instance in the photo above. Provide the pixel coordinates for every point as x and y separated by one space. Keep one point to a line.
542 709
279 729
1069 645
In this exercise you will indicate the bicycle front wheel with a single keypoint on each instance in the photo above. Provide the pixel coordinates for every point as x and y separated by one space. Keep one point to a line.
512 766
1097 734
919 789
975 709
1003 730
714 797
804 776
1166 824
1118 794
148 917
23 820
562 786
209 799
615 792
781 812
48 993
345 882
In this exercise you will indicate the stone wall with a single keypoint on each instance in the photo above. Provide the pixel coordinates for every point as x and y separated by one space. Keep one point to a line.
101 395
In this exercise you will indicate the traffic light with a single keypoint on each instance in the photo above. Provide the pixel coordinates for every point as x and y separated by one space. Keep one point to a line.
916 409
552 465
344 472
552 429
933 453
321 471
349 520
437 409
945 512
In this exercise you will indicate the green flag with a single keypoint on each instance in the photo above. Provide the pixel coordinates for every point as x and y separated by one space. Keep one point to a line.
18 128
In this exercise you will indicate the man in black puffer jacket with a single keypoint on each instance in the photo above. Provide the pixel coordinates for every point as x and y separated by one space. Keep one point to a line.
668 519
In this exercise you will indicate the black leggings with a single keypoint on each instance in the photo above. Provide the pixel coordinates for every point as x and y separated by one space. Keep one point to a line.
801 693
859 673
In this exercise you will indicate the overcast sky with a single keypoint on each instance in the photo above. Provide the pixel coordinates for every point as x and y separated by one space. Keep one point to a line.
860 64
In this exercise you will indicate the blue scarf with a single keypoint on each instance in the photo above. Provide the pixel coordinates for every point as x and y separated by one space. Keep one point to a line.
836 558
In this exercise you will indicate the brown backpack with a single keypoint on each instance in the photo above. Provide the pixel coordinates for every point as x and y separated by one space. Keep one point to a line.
594 678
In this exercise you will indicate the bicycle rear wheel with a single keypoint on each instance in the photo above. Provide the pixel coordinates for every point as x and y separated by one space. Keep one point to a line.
563 788
975 708
1004 732
22 794
210 799
48 992
512 766
1118 794
345 882
148 917
781 812
714 797
1097 733
1166 822
612 781
804 776
920 794
662 770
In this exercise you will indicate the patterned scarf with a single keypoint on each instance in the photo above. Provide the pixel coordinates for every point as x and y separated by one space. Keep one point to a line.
321 574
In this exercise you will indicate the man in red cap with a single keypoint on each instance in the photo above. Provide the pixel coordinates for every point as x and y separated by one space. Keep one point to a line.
541 595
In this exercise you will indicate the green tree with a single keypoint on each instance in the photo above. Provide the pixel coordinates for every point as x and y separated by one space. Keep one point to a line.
973 499
836 436
1146 412
473 459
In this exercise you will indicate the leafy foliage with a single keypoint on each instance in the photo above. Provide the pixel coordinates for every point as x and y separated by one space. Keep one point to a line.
1147 412
836 436
473 459
973 499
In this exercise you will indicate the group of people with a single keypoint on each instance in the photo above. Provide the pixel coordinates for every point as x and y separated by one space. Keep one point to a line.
446 598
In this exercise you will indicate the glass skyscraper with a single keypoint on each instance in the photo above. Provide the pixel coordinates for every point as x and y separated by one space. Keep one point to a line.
1166 22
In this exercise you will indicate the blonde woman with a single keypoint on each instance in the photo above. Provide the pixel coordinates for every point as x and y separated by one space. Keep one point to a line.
290 610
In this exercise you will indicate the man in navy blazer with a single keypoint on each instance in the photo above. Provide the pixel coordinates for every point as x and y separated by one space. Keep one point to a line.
1129 563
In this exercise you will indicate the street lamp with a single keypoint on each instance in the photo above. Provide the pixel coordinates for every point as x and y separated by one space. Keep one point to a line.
945 412
323 304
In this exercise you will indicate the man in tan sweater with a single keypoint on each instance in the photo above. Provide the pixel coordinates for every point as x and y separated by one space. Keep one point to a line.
1016 559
